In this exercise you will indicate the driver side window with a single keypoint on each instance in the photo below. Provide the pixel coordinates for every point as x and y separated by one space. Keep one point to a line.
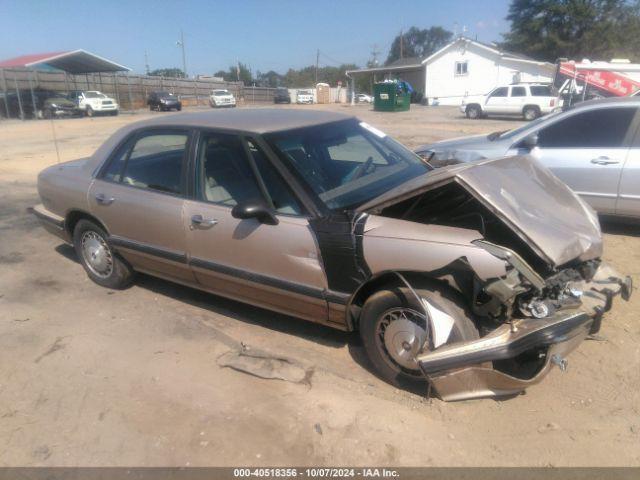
499 92
228 178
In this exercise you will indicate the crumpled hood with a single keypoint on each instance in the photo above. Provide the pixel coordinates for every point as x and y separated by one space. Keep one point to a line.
473 143
532 201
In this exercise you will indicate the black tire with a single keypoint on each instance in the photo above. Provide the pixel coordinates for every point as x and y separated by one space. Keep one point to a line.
473 112
530 112
115 113
119 275
151 109
179 108
48 114
383 301
90 112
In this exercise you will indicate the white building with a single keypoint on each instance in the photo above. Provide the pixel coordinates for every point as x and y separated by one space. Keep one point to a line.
468 67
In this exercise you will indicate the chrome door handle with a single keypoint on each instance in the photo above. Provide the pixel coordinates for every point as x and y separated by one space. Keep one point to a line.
203 222
103 200
604 161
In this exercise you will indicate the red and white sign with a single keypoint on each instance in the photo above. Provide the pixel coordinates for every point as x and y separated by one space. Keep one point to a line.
611 81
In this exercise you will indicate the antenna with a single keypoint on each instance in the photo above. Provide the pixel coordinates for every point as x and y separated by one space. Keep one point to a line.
55 139
374 54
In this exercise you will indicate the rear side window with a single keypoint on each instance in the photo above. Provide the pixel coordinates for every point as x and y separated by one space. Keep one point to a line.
601 128
540 91
153 161
518 92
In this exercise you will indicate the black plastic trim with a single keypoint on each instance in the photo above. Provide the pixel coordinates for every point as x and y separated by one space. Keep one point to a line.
174 256
258 278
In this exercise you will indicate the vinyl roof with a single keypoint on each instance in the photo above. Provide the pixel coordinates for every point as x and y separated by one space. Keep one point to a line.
255 120
75 62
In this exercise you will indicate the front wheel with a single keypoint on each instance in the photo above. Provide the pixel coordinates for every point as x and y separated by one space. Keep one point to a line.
100 262
473 112
394 329
90 112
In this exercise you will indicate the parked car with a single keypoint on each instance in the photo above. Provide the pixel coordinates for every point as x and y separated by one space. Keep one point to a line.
364 98
21 104
58 106
222 98
92 102
281 95
593 147
163 101
528 100
476 278
304 96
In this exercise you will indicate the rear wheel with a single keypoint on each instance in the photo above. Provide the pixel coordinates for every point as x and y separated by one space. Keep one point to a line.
100 262
394 329
46 113
473 112
530 112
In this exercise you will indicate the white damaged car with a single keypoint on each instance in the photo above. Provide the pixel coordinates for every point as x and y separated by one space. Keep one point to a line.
222 98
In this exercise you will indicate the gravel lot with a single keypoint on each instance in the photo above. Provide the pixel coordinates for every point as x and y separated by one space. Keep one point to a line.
94 377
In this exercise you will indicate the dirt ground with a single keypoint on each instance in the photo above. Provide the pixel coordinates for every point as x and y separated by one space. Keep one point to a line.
94 377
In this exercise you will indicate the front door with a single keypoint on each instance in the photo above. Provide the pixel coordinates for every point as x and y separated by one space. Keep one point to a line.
497 101
273 266
587 151
139 197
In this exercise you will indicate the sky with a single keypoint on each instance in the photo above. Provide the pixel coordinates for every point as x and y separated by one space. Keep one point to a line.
266 35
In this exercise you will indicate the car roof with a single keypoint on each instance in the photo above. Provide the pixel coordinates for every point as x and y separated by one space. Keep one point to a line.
255 120
609 101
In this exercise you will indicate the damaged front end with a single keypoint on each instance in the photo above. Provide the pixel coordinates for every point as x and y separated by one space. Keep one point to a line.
554 288
545 323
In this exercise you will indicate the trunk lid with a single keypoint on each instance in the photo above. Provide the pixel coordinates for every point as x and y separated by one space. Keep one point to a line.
526 196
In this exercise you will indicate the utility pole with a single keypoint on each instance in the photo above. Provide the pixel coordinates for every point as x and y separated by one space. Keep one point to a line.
401 44
184 57
374 55
146 62
317 61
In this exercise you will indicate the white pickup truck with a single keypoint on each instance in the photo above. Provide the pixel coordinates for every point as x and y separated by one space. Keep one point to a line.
93 101
222 98
529 100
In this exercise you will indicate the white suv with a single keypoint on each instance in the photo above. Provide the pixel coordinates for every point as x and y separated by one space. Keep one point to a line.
222 98
529 100
92 102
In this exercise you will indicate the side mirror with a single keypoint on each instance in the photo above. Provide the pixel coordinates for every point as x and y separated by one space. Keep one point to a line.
530 141
255 209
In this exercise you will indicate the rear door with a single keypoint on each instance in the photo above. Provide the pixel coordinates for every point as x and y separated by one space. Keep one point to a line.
273 266
497 101
139 196
517 99
629 192
587 150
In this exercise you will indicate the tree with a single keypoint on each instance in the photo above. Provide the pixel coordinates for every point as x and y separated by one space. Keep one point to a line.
269 79
418 42
575 29
240 72
168 72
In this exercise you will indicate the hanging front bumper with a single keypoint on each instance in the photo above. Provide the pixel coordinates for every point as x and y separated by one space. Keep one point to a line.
464 370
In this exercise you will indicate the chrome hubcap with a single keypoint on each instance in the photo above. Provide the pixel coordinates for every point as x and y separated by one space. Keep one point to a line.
96 254
401 334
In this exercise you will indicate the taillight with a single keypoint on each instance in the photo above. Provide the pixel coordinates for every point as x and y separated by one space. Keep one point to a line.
552 102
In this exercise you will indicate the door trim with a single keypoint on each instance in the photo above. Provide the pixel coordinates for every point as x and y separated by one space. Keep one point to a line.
339 298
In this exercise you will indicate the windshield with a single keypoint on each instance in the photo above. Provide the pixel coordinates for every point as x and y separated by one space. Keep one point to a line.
527 126
219 93
346 163
164 94
94 95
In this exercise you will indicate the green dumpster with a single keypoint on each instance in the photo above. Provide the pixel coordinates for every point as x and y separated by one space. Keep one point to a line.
391 97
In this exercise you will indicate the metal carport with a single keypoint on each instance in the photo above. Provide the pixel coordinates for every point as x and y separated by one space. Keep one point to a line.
75 62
